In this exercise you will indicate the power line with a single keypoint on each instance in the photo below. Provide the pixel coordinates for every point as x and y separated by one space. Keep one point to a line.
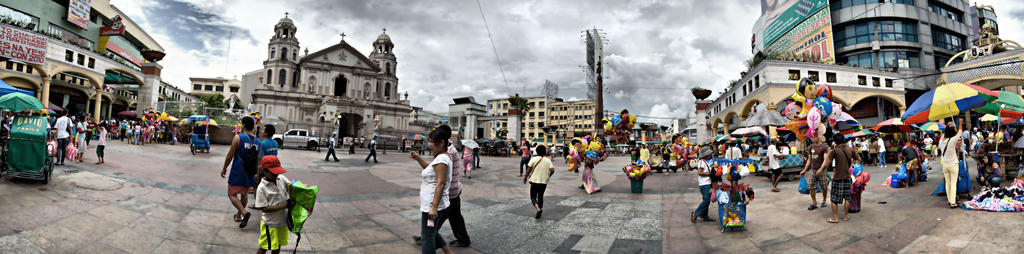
498 59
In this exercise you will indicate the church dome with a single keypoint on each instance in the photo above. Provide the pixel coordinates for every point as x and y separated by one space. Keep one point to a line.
384 38
285 20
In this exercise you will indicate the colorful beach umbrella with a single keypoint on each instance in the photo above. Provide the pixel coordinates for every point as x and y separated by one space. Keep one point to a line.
892 125
988 118
947 101
416 137
18 102
846 122
1008 104
932 126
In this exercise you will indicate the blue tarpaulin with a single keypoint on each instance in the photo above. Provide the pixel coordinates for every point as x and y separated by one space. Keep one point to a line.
7 88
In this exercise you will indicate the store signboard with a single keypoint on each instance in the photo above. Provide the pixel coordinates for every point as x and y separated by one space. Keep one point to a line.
22 45
124 53
782 16
813 37
78 12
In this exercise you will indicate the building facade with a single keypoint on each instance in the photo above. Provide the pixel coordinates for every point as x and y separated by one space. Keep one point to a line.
337 88
914 37
71 73
869 95
229 88
533 121
571 119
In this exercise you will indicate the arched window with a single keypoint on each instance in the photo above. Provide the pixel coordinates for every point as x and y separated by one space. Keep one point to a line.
387 90
388 69
340 85
294 54
269 73
284 53
281 77
272 51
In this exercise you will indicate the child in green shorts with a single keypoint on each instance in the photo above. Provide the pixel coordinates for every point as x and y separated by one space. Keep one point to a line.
272 198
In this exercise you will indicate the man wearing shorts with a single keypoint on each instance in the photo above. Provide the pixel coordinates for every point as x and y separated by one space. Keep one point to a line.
844 157
815 160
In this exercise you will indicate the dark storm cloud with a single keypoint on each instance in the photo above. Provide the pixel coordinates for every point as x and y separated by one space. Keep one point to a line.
193 28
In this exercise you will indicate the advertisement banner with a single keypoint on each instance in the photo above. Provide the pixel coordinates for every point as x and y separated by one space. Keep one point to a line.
115 28
781 16
813 37
78 13
23 45
124 53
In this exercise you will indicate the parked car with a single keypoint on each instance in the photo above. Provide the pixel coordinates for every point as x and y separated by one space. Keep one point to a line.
298 138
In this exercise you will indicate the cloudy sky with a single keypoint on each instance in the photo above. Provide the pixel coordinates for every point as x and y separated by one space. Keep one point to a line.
656 50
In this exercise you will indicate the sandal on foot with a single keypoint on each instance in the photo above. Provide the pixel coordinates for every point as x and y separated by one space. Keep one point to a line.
832 220
954 206
245 220
693 217
812 207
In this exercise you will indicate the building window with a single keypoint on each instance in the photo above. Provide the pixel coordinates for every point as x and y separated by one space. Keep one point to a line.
281 77
220 88
946 11
812 75
757 81
942 59
197 87
284 53
830 77
81 59
839 4
387 90
862 80
540 114
875 81
234 89
888 83
269 72
340 85
947 40
864 32
890 59
794 74
92 63
208 88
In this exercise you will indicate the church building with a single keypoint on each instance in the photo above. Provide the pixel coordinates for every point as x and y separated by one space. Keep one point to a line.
335 89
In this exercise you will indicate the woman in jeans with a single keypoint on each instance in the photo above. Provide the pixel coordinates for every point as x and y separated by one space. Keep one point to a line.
435 179
538 174
525 150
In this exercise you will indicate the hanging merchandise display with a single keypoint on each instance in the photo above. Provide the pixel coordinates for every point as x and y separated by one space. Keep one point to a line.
1010 199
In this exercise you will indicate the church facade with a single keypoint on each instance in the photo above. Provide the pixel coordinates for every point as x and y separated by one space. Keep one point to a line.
335 89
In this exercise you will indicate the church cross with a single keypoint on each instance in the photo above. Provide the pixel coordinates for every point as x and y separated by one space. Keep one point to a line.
342 36
385 29
285 14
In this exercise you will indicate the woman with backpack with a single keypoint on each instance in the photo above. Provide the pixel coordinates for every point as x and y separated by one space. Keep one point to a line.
243 156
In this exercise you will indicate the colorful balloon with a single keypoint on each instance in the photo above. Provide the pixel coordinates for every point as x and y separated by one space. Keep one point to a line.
823 105
791 111
825 91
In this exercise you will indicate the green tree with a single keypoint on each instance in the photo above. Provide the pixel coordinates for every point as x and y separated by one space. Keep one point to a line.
215 100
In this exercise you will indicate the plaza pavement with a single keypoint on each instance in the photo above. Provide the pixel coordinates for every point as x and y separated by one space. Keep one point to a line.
162 199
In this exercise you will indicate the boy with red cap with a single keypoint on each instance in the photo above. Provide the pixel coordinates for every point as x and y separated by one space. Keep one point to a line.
272 198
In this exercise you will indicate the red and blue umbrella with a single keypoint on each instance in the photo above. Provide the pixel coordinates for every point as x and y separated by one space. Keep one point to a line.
947 101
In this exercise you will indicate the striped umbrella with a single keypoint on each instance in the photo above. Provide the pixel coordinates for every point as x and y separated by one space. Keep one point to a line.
892 125
721 138
932 126
859 133
947 101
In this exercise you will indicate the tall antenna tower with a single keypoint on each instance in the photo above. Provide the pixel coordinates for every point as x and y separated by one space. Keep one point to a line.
595 43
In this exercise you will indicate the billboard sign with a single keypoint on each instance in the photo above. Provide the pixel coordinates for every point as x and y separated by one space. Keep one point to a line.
78 13
781 16
812 37
22 45
116 28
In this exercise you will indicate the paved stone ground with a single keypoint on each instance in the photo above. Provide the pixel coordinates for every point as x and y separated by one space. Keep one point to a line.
161 199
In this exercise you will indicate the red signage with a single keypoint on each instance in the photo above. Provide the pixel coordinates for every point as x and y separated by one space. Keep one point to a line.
22 45
123 53
115 29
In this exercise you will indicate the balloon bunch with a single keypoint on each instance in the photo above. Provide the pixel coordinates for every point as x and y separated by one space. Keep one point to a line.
860 178
811 111
256 117
681 149
585 150
618 128
637 171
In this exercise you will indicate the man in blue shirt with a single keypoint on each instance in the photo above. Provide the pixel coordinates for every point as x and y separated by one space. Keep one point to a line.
268 146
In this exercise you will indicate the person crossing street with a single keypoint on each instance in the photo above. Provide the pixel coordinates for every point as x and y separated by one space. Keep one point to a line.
330 148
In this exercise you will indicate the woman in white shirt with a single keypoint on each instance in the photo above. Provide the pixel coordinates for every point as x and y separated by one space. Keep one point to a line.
435 179
538 173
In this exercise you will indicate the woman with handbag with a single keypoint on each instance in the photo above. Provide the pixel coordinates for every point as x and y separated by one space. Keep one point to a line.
951 161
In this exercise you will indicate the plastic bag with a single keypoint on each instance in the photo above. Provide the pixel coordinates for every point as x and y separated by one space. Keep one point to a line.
802 188
902 173
895 182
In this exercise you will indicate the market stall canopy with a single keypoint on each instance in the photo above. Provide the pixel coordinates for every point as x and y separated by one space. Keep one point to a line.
721 138
892 125
749 131
7 88
18 102
846 122
859 133
932 126
416 137
1008 104
127 113
54 107
764 117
